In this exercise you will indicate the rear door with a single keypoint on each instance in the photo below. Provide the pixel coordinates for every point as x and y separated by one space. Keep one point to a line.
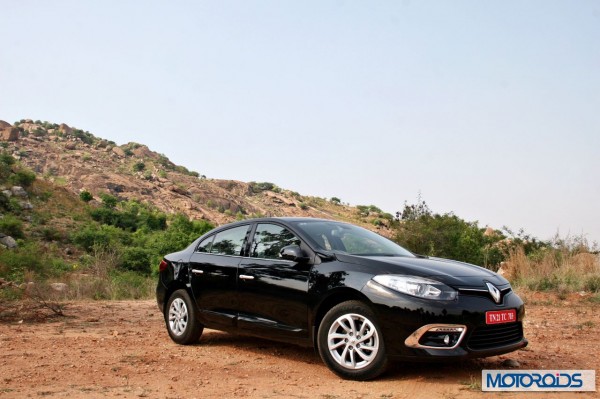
273 291
214 267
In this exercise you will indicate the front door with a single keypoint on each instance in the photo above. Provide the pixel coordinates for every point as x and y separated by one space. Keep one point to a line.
272 291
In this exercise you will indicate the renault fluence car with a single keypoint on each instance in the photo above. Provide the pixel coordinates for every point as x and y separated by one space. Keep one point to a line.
360 299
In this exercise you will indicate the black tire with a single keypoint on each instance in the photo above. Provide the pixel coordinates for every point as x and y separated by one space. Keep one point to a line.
351 355
181 318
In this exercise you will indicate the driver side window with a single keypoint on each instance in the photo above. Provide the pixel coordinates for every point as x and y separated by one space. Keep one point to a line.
269 239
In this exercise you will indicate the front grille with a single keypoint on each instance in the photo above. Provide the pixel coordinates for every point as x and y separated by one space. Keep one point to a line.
484 293
495 336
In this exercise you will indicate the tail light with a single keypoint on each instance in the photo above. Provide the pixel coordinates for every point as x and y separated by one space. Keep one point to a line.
163 266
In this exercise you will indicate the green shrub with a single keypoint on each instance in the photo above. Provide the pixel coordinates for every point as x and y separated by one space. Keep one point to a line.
93 236
363 210
22 177
262 186
137 260
86 196
592 284
30 258
45 196
11 226
139 166
109 201
131 285
51 234
86 137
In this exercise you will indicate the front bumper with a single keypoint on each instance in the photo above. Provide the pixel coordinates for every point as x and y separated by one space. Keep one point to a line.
404 320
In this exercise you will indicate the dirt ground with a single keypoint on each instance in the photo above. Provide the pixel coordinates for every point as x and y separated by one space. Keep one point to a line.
121 349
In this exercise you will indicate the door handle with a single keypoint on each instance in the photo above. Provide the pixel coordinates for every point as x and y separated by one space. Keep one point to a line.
246 277
196 271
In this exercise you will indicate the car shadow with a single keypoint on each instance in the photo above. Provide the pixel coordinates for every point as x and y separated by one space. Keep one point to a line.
397 370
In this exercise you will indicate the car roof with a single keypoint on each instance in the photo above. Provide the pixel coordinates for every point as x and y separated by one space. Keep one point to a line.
278 219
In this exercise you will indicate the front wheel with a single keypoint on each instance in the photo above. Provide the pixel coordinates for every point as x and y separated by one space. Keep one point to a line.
181 319
350 342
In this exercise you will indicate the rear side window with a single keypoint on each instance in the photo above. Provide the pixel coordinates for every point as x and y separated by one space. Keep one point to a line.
229 242
205 245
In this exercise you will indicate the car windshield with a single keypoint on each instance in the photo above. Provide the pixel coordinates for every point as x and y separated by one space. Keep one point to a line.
346 238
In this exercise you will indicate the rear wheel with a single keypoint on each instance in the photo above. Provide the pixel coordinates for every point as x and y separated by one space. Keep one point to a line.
182 319
350 342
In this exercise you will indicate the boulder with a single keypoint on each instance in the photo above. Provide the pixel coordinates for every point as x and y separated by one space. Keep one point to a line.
26 205
60 287
71 145
19 191
144 152
7 193
7 241
115 188
65 129
4 124
179 190
31 127
9 134
118 151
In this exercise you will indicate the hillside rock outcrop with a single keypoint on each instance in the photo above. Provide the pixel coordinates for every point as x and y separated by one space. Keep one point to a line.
8 132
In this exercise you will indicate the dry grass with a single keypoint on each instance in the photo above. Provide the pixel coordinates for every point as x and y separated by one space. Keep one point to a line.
567 266
125 285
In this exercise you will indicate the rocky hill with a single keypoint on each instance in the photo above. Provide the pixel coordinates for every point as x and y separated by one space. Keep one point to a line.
78 161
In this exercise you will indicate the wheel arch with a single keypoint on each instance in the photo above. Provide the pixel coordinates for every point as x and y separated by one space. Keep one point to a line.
334 298
174 286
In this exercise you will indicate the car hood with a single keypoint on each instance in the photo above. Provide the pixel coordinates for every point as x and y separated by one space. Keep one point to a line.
450 272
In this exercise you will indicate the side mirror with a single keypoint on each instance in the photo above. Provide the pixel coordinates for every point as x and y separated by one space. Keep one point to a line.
293 253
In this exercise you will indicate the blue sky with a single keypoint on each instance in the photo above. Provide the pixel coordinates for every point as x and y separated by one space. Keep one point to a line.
488 109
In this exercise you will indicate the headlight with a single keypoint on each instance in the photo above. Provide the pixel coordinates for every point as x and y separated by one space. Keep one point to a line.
417 286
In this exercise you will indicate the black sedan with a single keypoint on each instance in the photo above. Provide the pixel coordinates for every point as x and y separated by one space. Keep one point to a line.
357 297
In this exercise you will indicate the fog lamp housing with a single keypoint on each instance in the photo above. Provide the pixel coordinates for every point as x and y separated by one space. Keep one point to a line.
437 336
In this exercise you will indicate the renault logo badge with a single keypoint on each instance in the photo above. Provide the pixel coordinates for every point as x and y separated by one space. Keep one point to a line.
494 292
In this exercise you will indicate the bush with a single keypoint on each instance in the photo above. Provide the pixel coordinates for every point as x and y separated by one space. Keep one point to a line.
131 285
108 201
130 216
6 162
137 260
562 267
592 284
11 226
51 234
139 166
260 187
30 258
93 236
86 196
22 178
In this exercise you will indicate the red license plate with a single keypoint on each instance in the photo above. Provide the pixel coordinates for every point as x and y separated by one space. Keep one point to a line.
501 316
